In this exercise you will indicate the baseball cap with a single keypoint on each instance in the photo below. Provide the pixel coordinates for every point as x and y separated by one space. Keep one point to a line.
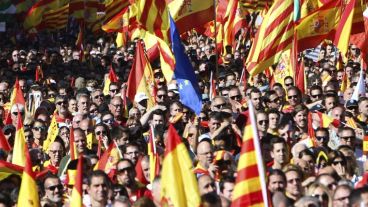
140 97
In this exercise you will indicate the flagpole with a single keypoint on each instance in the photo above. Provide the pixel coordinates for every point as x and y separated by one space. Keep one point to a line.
214 7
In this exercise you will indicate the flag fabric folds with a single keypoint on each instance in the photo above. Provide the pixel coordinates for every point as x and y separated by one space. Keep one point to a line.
7 169
109 159
77 192
54 19
274 36
154 157
360 87
141 80
28 192
178 182
184 74
4 144
111 78
19 149
250 187
52 133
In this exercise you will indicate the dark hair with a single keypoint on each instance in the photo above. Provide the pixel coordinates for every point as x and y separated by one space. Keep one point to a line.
226 179
276 140
277 172
98 173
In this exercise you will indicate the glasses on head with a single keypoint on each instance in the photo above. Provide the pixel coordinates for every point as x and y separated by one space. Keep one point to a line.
52 188
39 128
113 90
98 96
100 133
262 122
59 103
293 97
16 113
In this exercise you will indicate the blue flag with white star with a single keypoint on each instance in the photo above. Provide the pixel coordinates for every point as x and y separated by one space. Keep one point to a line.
186 80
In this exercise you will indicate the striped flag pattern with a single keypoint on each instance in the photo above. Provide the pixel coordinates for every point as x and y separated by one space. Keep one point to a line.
154 157
19 149
250 187
274 36
55 19
7 169
77 192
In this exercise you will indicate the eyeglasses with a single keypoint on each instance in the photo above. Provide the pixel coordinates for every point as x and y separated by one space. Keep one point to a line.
261 122
321 138
100 132
114 90
347 139
293 97
61 102
98 96
323 197
220 106
16 113
275 100
316 95
161 96
237 97
338 162
52 188
39 128
108 121
288 84
123 170
132 153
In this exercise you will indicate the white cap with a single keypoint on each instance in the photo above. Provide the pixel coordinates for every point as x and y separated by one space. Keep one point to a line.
140 97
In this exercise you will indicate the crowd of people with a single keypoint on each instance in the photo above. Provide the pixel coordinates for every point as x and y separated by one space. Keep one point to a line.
308 163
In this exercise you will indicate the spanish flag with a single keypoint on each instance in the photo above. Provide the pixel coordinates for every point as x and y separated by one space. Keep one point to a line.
7 169
154 157
77 193
111 78
141 80
274 36
73 151
28 192
52 133
326 120
19 149
178 182
250 187
109 159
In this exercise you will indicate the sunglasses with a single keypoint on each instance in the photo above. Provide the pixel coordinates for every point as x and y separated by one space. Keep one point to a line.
261 122
108 121
161 96
114 90
323 197
98 96
288 84
275 100
59 103
220 106
321 138
16 113
52 188
237 97
8 132
100 132
316 95
123 170
293 97
347 138
93 111
39 128
338 162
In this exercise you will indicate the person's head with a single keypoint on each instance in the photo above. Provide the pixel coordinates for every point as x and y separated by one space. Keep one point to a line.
347 136
121 201
288 82
341 196
39 131
300 116
293 181
338 161
175 108
157 117
53 188
120 135
98 186
205 153
135 113
320 192
131 152
274 118
83 103
338 113
161 96
234 94
56 152
294 96
61 103
279 151
145 164
215 120
108 119
97 97
284 130
80 140
206 184
14 113
113 89
262 121
218 103
255 97
276 181
273 101
330 100
227 185
322 136
316 93
116 107
363 107
72 105
125 173
327 180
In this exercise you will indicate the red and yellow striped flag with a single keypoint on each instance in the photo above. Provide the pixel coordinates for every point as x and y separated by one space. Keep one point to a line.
230 14
7 169
344 28
54 19
326 120
250 188
73 151
84 10
114 8
4 144
28 192
141 79
77 193
19 149
108 160
178 182
319 25
154 157
274 36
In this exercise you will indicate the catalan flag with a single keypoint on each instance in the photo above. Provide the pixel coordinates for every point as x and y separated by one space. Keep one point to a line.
53 20
255 5
114 8
28 192
274 36
141 80
19 149
178 182
7 169
231 13
250 187
111 78
117 22
344 28
197 12
35 14
77 192
84 10
154 157
319 25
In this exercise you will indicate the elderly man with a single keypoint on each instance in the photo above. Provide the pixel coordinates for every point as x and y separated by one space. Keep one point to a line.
116 108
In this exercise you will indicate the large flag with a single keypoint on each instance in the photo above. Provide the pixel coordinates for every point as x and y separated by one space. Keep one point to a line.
77 192
231 13
250 187
28 192
84 10
319 25
197 12
141 79
184 74
114 8
34 15
117 22
7 169
19 149
344 28
274 36
178 182
111 78
53 20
